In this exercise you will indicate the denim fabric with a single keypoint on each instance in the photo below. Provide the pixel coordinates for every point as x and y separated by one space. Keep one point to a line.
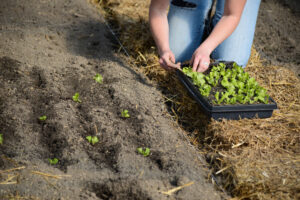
187 25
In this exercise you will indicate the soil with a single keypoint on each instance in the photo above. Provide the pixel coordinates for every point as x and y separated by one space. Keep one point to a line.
49 50
277 35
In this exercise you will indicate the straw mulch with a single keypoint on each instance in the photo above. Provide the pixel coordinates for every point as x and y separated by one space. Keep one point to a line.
251 159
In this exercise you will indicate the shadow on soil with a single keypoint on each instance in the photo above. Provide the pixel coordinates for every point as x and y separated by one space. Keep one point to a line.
90 42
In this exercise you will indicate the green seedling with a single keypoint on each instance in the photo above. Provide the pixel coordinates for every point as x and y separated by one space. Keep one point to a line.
53 161
43 118
1 138
98 78
76 97
92 139
145 152
125 114
236 85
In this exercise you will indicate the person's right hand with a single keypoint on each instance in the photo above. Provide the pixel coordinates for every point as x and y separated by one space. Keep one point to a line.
167 60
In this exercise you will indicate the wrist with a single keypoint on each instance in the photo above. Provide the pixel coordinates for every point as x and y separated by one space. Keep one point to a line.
164 50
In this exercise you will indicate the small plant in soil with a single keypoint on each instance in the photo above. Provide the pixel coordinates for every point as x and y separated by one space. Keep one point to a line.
125 114
1 138
76 97
92 139
145 152
43 118
98 78
53 161
228 85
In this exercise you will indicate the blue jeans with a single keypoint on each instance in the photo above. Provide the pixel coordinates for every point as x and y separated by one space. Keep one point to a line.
188 23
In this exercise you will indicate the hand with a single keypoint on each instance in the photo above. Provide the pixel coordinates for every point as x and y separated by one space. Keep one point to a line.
200 60
167 60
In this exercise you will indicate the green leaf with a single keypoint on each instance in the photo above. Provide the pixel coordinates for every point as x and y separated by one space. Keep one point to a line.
1 138
140 150
98 78
233 100
43 118
95 140
125 114
145 152
76 97
92 139
225 83
205 90
89 138
53 161
217 96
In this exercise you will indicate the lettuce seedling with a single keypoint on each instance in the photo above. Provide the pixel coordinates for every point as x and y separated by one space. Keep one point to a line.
1 138
76 97
125 114
188 71
233 100
198 79
251 92
243 77
225 83
145 152
228 73
43 118
237 68
92 139
261 95
98 78
225 96
240 98
205 90
53 161
240 85
217 96
251 84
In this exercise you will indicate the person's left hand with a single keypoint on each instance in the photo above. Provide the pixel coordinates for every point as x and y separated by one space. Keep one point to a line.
200 60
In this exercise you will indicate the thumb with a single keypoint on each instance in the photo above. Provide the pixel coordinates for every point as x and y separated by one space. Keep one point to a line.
172 57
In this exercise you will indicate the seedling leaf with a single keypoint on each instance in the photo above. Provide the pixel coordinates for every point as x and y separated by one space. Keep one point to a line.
145 152
125 114
89 138
53 161
98 78
43 118
95 140
92 139
76 97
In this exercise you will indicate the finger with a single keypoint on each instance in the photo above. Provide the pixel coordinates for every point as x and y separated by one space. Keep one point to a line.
195 64
203 66
192 60
162 64
174 66
172 57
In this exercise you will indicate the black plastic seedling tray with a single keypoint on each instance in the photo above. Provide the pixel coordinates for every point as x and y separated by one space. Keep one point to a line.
234 112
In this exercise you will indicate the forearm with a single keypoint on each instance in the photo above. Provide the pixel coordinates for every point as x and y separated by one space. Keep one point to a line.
159 26
232 13
222 30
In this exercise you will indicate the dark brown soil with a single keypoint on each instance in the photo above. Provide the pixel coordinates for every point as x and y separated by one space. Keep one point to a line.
277 35
48 51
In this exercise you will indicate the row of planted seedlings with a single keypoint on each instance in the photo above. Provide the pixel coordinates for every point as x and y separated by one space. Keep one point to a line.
224 84
91 139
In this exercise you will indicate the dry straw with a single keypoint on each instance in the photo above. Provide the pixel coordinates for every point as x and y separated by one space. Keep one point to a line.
252 159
